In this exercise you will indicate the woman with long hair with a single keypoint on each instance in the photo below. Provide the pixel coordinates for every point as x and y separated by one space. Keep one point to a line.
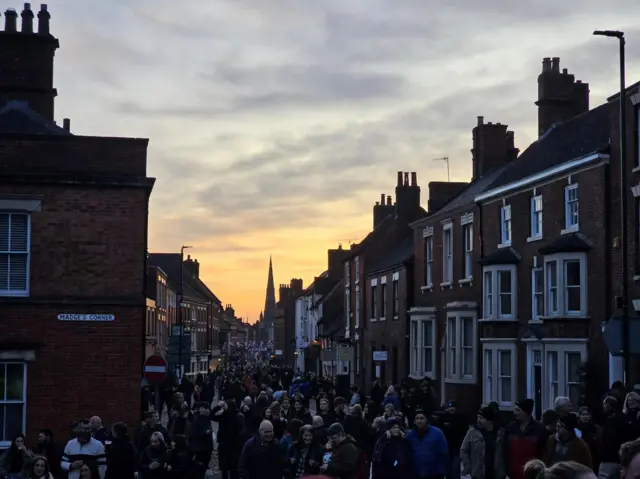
536 469
15 459
89 470
38 469
153 460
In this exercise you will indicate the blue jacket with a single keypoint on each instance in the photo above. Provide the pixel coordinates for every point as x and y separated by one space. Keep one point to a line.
430 453
393 400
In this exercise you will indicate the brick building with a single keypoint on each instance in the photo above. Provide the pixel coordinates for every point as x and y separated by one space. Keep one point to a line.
546 236
285 321
390 228
73 237
443 330
161 311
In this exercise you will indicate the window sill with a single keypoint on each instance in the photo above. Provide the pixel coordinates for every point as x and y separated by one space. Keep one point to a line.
636 169
14 294
382 319
636 278
428 287
497 320
570 229
503 406
373 320
395 317
579 317
504 244
446 285
470 381
531 239
536 321
466 281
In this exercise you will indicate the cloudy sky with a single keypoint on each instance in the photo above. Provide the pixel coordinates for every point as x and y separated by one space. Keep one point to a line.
276 124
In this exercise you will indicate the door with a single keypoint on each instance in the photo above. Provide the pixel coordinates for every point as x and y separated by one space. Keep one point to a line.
537 382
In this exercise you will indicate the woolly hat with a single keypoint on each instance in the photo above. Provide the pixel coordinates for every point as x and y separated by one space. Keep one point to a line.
526 405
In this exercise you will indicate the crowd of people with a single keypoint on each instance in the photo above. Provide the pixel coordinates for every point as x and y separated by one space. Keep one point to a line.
274 424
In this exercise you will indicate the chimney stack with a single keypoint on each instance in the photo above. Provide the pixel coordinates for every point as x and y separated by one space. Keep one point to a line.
414 178
441 192
493 147
407 196
43 20
10 20
480 120
66 124
27 19
399 178
560 96
389 201
382 199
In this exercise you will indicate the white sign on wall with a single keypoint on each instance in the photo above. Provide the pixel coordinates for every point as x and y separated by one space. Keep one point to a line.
86 317
380 355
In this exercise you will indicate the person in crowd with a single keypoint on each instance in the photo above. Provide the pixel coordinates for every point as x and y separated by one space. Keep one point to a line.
98 431
16 459
549 421
319 430
305 455
279 423
153 461
355 396
231 432
391 397
536 469
340 408
484 448
327 414
292 435
47 447
300 412
630 459
90 470
565 445
564 406
454 426
615 432
591 435
356 427
344 454
179 460
631 411
370 412
200 439
180 420
429 448
261 456
392 456
150 425
285 408
38 469
526 439
83 449
121 454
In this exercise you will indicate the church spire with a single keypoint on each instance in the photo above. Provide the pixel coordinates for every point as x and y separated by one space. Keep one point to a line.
270 303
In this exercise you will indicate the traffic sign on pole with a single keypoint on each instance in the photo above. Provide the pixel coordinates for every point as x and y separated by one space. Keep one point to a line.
155 369
612 335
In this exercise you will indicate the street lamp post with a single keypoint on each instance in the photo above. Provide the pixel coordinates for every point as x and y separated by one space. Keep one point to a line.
626 343
180 306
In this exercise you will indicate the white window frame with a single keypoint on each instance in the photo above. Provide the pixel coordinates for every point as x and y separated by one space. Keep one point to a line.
506 233
347 299
395 287
383 301
467 235
491 373
491 297
560 261
447 254
453 347
569 225
418 348
536 217
3 364
10 252
428 253
535 314
374 301
357 306
561 349
357 261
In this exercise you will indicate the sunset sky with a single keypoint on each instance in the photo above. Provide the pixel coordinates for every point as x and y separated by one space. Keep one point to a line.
274 125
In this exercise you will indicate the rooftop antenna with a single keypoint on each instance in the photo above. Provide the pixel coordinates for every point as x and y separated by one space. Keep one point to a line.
446 160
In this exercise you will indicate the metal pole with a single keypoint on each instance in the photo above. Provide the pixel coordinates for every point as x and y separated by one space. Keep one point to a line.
180 319
623 219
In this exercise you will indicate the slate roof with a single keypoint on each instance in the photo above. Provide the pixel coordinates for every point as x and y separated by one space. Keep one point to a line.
585 134
16 118
170 264
501 256
399 254
568 243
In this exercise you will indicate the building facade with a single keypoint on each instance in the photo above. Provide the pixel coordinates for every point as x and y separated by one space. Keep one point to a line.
73 225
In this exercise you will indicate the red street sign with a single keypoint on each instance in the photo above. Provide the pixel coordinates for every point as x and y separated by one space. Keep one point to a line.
155 369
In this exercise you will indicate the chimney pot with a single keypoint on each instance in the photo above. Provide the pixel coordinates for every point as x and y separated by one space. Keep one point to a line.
382 199
406 179
480 120
565 71
555 64
10 20
389 203
27 19
414 178
43 20
578 81
399 178
377 203
66 124
546 64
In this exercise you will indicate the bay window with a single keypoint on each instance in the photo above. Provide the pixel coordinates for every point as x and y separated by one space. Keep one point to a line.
499 372
460 347
564 361
566 284
499 292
